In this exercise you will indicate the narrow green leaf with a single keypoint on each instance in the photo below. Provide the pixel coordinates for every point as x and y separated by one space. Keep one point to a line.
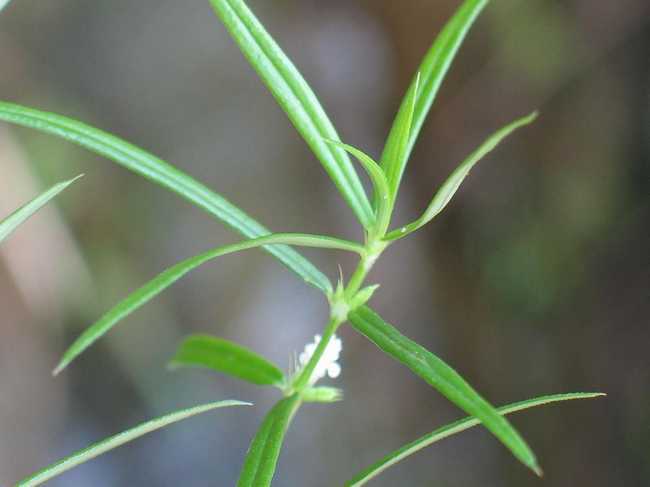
10 223
296 98
171 275
454 428
264 450
227 357
442 377
378 179
108 444
163 174
451 185
394 162
432 71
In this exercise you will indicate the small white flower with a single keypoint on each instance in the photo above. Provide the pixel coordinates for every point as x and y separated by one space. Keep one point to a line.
328 361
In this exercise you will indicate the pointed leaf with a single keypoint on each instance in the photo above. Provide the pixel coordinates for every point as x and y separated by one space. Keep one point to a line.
108 444
379 183
264 450
171 275
454 428
395 161
10 223
227 357
442 377
296 98
163 174
432 71
451 185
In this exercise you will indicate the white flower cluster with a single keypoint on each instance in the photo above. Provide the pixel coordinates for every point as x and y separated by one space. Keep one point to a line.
328 361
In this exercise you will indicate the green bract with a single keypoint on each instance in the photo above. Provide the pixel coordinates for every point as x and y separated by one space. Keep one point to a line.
348 301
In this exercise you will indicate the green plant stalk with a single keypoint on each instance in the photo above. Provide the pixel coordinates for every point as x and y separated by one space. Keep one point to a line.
340 306
342 302
302 380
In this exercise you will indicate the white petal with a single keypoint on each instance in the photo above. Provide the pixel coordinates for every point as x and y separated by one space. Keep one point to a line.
334 370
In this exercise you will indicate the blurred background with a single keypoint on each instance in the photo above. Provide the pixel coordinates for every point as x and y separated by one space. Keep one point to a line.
533 281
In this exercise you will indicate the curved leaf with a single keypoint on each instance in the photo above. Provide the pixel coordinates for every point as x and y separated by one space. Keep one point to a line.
171 275
378 179
227 357
108 444
432 71
163 174
394 161
296 98
451 185
264 450
10 223
441 376
454 428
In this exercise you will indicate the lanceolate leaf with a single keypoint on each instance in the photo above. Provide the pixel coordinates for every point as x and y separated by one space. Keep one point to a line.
441 376
227 357
263 453
379 182
171 275
296 98
108 444
164 174
10 223
455 428
451 185
432 71
395 161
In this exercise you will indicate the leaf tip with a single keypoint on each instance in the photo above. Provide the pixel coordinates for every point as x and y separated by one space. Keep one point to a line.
76 178
538 470
59 368
531 117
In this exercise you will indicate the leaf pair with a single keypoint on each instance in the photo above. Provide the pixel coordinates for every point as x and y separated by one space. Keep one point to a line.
448 189
385 188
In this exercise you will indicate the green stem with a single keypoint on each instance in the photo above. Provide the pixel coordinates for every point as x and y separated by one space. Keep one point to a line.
302 380
358 276
339 310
